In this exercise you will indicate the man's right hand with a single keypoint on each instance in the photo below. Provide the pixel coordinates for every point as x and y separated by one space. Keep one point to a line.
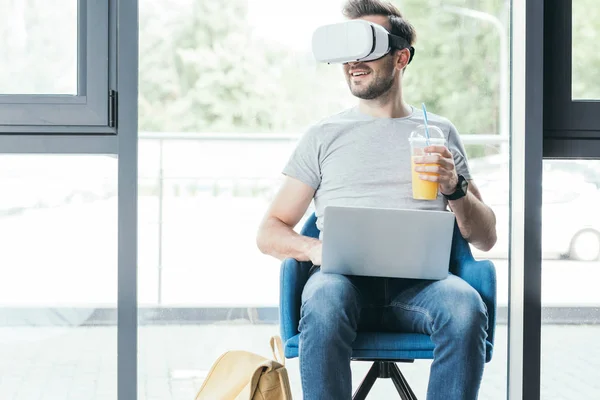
315 253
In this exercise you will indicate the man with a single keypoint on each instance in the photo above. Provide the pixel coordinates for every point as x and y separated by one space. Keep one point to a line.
361 157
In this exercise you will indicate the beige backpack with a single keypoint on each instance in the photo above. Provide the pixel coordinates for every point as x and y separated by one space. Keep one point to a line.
241 375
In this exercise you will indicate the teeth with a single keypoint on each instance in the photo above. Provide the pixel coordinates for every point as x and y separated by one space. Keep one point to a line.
358 73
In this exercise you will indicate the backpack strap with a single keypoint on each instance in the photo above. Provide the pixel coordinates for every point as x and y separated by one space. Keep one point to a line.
276 342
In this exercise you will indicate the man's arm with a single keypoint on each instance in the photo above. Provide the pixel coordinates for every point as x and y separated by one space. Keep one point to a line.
476 220
276 235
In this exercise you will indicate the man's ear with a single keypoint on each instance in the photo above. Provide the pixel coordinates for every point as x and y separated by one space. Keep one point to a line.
402 58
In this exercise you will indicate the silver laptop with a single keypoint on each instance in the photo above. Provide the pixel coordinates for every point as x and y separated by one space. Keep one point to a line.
387 242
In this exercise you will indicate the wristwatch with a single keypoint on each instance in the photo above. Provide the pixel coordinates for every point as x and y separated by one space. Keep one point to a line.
461 189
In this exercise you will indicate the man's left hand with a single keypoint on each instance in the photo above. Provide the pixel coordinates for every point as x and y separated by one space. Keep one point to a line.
444 169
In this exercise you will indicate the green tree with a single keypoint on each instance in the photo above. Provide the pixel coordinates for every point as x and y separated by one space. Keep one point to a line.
586 59
456 70
210 74
38 39
202 69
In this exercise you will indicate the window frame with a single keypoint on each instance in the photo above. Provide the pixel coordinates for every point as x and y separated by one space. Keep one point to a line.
571 127
93 109
526 168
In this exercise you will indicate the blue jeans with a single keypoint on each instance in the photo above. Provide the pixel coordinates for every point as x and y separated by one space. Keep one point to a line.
335 306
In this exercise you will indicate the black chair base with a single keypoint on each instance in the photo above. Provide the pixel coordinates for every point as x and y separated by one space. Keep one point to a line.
384 369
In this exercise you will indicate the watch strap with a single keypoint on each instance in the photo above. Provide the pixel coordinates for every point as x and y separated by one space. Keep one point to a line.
458 192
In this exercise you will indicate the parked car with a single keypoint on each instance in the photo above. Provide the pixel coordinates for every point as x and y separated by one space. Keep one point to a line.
570 221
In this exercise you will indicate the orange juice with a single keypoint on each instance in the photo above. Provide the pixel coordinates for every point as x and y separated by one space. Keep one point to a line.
423 190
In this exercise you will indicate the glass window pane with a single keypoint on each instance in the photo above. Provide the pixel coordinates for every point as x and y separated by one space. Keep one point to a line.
234 99
570 273
58 291
586 60
38 39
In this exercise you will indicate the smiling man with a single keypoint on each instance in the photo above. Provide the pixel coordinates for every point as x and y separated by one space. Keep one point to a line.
361 157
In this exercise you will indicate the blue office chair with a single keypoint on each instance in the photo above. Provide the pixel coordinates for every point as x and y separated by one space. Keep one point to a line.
385 349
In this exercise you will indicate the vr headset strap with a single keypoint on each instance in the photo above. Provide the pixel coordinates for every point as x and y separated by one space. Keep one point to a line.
399 43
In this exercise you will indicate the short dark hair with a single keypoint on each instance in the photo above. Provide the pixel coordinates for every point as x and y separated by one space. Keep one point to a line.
354 9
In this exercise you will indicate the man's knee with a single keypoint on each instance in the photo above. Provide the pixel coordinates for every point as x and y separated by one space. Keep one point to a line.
464 313
470 314
330 300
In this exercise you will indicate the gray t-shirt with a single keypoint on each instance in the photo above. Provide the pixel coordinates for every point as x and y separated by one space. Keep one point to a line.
353 159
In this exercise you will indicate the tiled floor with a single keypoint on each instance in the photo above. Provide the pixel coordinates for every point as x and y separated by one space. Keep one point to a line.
80 363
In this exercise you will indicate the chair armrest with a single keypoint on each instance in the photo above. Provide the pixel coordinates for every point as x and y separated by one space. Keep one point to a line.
293 277
481 275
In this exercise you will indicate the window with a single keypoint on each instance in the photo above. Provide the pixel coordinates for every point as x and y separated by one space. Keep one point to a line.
35 62
58 292
571 237
55 72
586 33
234 98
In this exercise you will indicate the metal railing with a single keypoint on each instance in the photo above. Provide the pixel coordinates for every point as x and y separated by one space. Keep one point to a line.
467 139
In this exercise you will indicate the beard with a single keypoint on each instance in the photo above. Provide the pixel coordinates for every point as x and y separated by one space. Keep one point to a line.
381 83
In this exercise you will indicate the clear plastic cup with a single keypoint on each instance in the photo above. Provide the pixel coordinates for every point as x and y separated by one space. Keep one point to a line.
423 189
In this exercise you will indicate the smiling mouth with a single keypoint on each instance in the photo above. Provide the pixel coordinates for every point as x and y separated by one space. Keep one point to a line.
356 74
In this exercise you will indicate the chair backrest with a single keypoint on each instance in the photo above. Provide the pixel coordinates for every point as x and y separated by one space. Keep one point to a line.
460 247
310 227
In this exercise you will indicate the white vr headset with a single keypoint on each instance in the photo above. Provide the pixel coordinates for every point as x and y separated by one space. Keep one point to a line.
355 40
